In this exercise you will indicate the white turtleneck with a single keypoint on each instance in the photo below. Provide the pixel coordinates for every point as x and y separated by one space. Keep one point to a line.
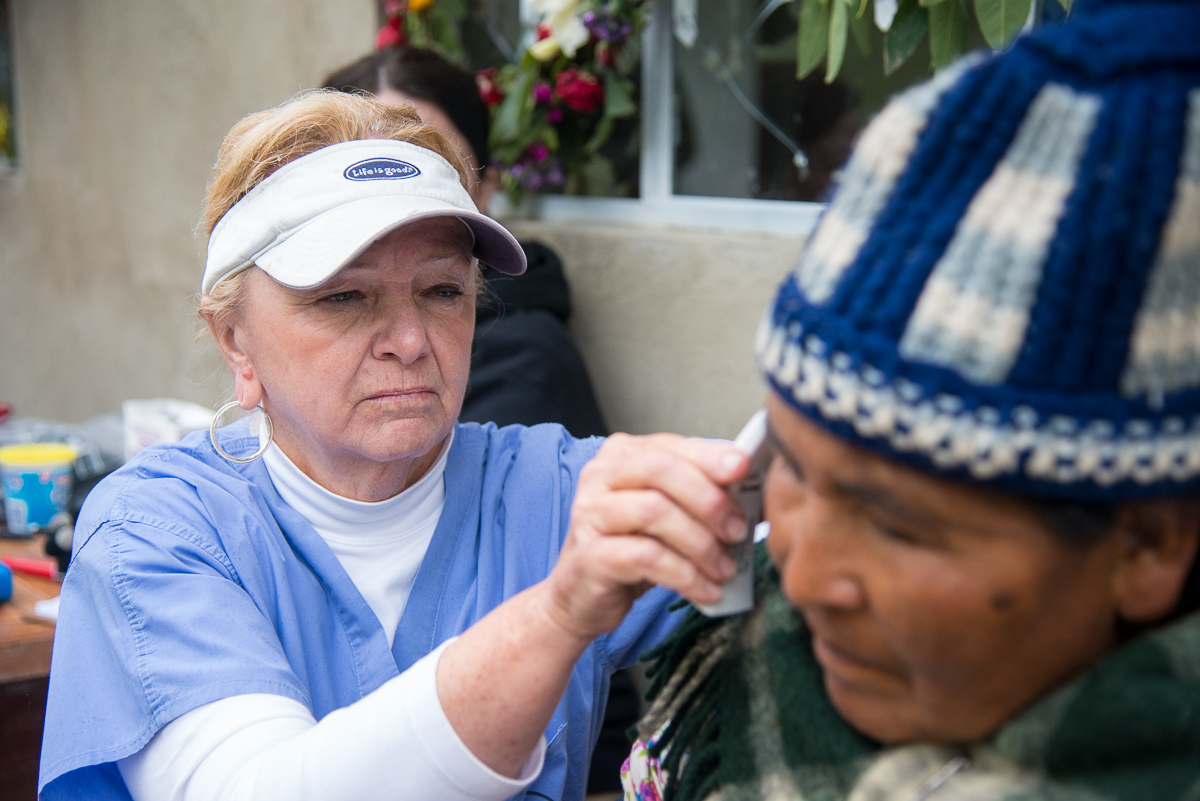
395 743
381 544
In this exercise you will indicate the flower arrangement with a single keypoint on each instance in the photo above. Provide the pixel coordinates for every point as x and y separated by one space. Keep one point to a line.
555 108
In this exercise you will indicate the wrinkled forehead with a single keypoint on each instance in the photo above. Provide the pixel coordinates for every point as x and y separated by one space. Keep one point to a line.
444 242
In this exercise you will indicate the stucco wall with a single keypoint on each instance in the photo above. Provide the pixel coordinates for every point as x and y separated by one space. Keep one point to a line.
666 320
121 107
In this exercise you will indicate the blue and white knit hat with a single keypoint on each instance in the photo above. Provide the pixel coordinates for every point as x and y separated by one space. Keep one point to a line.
1006 286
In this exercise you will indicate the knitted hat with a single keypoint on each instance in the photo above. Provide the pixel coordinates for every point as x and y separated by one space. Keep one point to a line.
1006 286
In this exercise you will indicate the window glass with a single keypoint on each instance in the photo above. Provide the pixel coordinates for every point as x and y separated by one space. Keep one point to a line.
746 128
8 146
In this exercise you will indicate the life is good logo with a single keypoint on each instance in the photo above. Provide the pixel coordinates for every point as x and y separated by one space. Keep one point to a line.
380 169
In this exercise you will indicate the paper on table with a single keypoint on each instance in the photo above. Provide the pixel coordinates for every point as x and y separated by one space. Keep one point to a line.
47 609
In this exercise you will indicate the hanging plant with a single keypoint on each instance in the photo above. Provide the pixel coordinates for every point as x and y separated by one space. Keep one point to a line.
825 26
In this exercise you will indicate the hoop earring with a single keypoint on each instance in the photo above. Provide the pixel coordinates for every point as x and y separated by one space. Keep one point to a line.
212 434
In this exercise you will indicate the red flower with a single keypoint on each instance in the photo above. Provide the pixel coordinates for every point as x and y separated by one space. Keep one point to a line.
579 90
391 34
488 90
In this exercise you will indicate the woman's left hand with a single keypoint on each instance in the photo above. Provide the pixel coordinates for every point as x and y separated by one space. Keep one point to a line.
648 510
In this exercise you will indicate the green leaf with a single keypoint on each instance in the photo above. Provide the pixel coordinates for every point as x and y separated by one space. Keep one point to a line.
1000 20
452 9
909 27
813 39
618 96
517 107
931 3
598 176
862 37
600 135
838 24
947 32
1066 4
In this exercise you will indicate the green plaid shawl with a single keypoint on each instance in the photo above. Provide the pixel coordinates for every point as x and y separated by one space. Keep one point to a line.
746 718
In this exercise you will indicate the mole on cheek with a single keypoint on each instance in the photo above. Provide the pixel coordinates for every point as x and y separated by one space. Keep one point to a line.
1003 601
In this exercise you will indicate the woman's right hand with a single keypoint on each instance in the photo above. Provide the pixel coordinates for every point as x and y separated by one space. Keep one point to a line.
648 510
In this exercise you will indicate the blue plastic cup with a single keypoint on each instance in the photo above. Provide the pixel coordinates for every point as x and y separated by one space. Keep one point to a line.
37 479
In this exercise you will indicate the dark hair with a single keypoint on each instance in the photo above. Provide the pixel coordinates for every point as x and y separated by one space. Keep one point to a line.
1083 524
424 75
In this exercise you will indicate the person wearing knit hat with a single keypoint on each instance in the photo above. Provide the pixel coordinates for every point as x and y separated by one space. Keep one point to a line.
984 371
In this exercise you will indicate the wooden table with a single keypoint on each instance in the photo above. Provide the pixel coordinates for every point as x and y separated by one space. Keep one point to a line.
25 643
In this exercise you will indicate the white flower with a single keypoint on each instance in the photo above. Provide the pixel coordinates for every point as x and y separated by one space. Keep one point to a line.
569 31
565 26
545 8
545 49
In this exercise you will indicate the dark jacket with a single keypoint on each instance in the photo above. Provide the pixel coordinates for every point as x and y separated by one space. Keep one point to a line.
524 366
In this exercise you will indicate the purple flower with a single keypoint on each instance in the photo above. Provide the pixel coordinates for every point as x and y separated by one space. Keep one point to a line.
608 27
538 151
554 115
542 93
555 175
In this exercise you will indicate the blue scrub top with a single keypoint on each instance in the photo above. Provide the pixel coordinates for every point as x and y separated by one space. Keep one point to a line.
193 581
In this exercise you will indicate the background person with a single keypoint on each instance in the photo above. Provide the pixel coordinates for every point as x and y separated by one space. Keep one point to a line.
525 368
986 413
386 604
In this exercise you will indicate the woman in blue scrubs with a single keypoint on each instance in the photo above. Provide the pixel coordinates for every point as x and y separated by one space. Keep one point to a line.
347 594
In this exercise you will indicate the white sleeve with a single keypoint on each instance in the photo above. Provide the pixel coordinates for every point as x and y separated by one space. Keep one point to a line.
395 744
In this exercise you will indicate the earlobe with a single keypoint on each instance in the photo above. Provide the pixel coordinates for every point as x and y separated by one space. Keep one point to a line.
1158 542
246 386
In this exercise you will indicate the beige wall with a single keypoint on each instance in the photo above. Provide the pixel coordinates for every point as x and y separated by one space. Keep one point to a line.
666 320
121 108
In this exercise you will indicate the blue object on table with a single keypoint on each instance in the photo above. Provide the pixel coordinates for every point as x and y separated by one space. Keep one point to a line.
5 582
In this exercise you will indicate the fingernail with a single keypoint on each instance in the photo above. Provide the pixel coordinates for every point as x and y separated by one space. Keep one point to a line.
730 461
726 565
735 529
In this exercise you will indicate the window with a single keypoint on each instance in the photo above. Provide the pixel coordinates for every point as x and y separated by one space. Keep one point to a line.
727 137
8 146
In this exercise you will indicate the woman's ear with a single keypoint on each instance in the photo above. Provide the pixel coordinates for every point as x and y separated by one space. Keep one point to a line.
229 335
1157 542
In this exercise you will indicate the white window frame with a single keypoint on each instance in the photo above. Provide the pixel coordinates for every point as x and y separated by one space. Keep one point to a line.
658 205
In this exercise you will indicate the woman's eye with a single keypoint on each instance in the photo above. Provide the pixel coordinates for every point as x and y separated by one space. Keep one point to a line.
789 468
340 297
447 291
903 534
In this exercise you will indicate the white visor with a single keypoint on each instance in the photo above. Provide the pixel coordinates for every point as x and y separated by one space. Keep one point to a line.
315 215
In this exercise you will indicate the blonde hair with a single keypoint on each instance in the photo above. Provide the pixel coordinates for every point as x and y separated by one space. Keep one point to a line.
261 143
